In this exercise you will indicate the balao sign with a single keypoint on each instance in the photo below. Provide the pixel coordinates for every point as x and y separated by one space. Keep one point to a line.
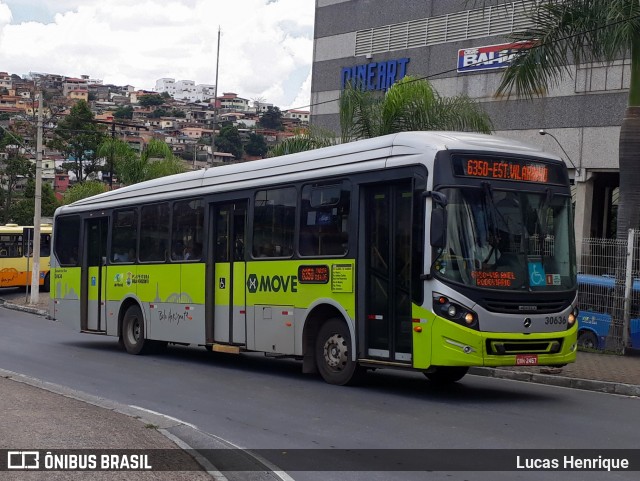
489 56
375 75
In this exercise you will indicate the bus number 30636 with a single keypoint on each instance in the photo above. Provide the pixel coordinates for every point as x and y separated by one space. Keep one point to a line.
555 320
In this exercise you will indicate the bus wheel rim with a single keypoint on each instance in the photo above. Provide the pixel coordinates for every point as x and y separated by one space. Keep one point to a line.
336 352
135 330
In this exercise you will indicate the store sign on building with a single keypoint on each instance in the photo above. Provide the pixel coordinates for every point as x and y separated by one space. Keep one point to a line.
490 56
374 75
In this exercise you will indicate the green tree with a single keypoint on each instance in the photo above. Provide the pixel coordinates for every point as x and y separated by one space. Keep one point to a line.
256 145
125 112
161 112
306 139
78 138
582 31
271 119
410 104
14 169
115 152
229 141
22 212
84 190
156 160
151 100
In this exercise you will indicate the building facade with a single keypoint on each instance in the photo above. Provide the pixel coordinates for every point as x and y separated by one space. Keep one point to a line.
185 90
460 46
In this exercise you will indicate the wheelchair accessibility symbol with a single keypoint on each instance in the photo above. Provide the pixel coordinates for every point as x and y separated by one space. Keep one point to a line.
536 274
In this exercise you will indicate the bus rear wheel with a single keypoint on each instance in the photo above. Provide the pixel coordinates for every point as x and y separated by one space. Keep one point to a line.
446 374
46 285
333 354
133 330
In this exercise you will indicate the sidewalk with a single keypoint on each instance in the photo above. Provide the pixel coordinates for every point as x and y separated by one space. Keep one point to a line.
591 371
39 416
38 419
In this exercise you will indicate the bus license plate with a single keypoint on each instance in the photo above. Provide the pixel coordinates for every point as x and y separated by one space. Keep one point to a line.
526 360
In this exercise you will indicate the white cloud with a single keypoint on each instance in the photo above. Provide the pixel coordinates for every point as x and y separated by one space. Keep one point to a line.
264 46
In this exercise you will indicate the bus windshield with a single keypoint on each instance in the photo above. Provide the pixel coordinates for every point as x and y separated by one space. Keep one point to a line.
507 240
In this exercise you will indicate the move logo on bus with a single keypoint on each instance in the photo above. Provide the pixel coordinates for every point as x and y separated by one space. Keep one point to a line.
275 283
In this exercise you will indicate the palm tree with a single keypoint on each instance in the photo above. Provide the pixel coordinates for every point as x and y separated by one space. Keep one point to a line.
410 104
305 139
567 31
156 160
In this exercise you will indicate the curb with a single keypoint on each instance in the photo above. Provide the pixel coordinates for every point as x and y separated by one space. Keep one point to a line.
560 381
163 423
20 307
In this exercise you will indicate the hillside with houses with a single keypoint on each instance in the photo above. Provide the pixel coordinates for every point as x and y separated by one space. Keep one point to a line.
180 114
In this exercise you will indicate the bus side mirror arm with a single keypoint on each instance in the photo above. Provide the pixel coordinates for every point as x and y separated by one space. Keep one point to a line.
437 197
438 230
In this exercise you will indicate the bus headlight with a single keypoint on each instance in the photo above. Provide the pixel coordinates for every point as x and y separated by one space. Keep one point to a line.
573 317
454 311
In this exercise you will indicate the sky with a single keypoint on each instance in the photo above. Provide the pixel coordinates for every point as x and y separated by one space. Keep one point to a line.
266 46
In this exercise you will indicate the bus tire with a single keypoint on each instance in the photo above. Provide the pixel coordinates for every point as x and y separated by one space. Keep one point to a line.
133 330
46 285
333 354
443 375
587 340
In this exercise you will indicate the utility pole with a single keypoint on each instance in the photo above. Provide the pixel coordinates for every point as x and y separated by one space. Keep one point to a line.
113 139
215 103
35 270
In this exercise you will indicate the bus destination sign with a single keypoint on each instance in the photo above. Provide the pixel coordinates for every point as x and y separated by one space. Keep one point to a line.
519 170
502 169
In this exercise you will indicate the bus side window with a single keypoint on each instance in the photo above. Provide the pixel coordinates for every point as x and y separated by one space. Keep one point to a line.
187 230
154 235
324 219
67 240
124 235
274 222
45 245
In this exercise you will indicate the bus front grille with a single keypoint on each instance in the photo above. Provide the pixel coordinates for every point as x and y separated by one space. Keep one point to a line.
509 347
525 306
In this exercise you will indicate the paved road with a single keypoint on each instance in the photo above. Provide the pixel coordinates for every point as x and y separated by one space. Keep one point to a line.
266 403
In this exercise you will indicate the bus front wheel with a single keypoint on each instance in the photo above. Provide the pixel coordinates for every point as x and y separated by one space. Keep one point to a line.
587 340
333 354
446 374
133 330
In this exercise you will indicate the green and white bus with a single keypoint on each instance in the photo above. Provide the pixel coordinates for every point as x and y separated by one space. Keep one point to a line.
429 251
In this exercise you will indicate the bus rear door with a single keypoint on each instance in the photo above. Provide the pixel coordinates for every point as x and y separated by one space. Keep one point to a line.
228 324
94 275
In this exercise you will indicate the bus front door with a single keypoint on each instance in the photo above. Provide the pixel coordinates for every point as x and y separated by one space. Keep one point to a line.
228 323
94 275
387 257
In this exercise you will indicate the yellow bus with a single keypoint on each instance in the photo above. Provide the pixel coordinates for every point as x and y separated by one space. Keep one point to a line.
427 251
15 256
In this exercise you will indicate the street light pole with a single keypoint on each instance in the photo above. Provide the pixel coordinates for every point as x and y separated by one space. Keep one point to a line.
544 132
35 270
